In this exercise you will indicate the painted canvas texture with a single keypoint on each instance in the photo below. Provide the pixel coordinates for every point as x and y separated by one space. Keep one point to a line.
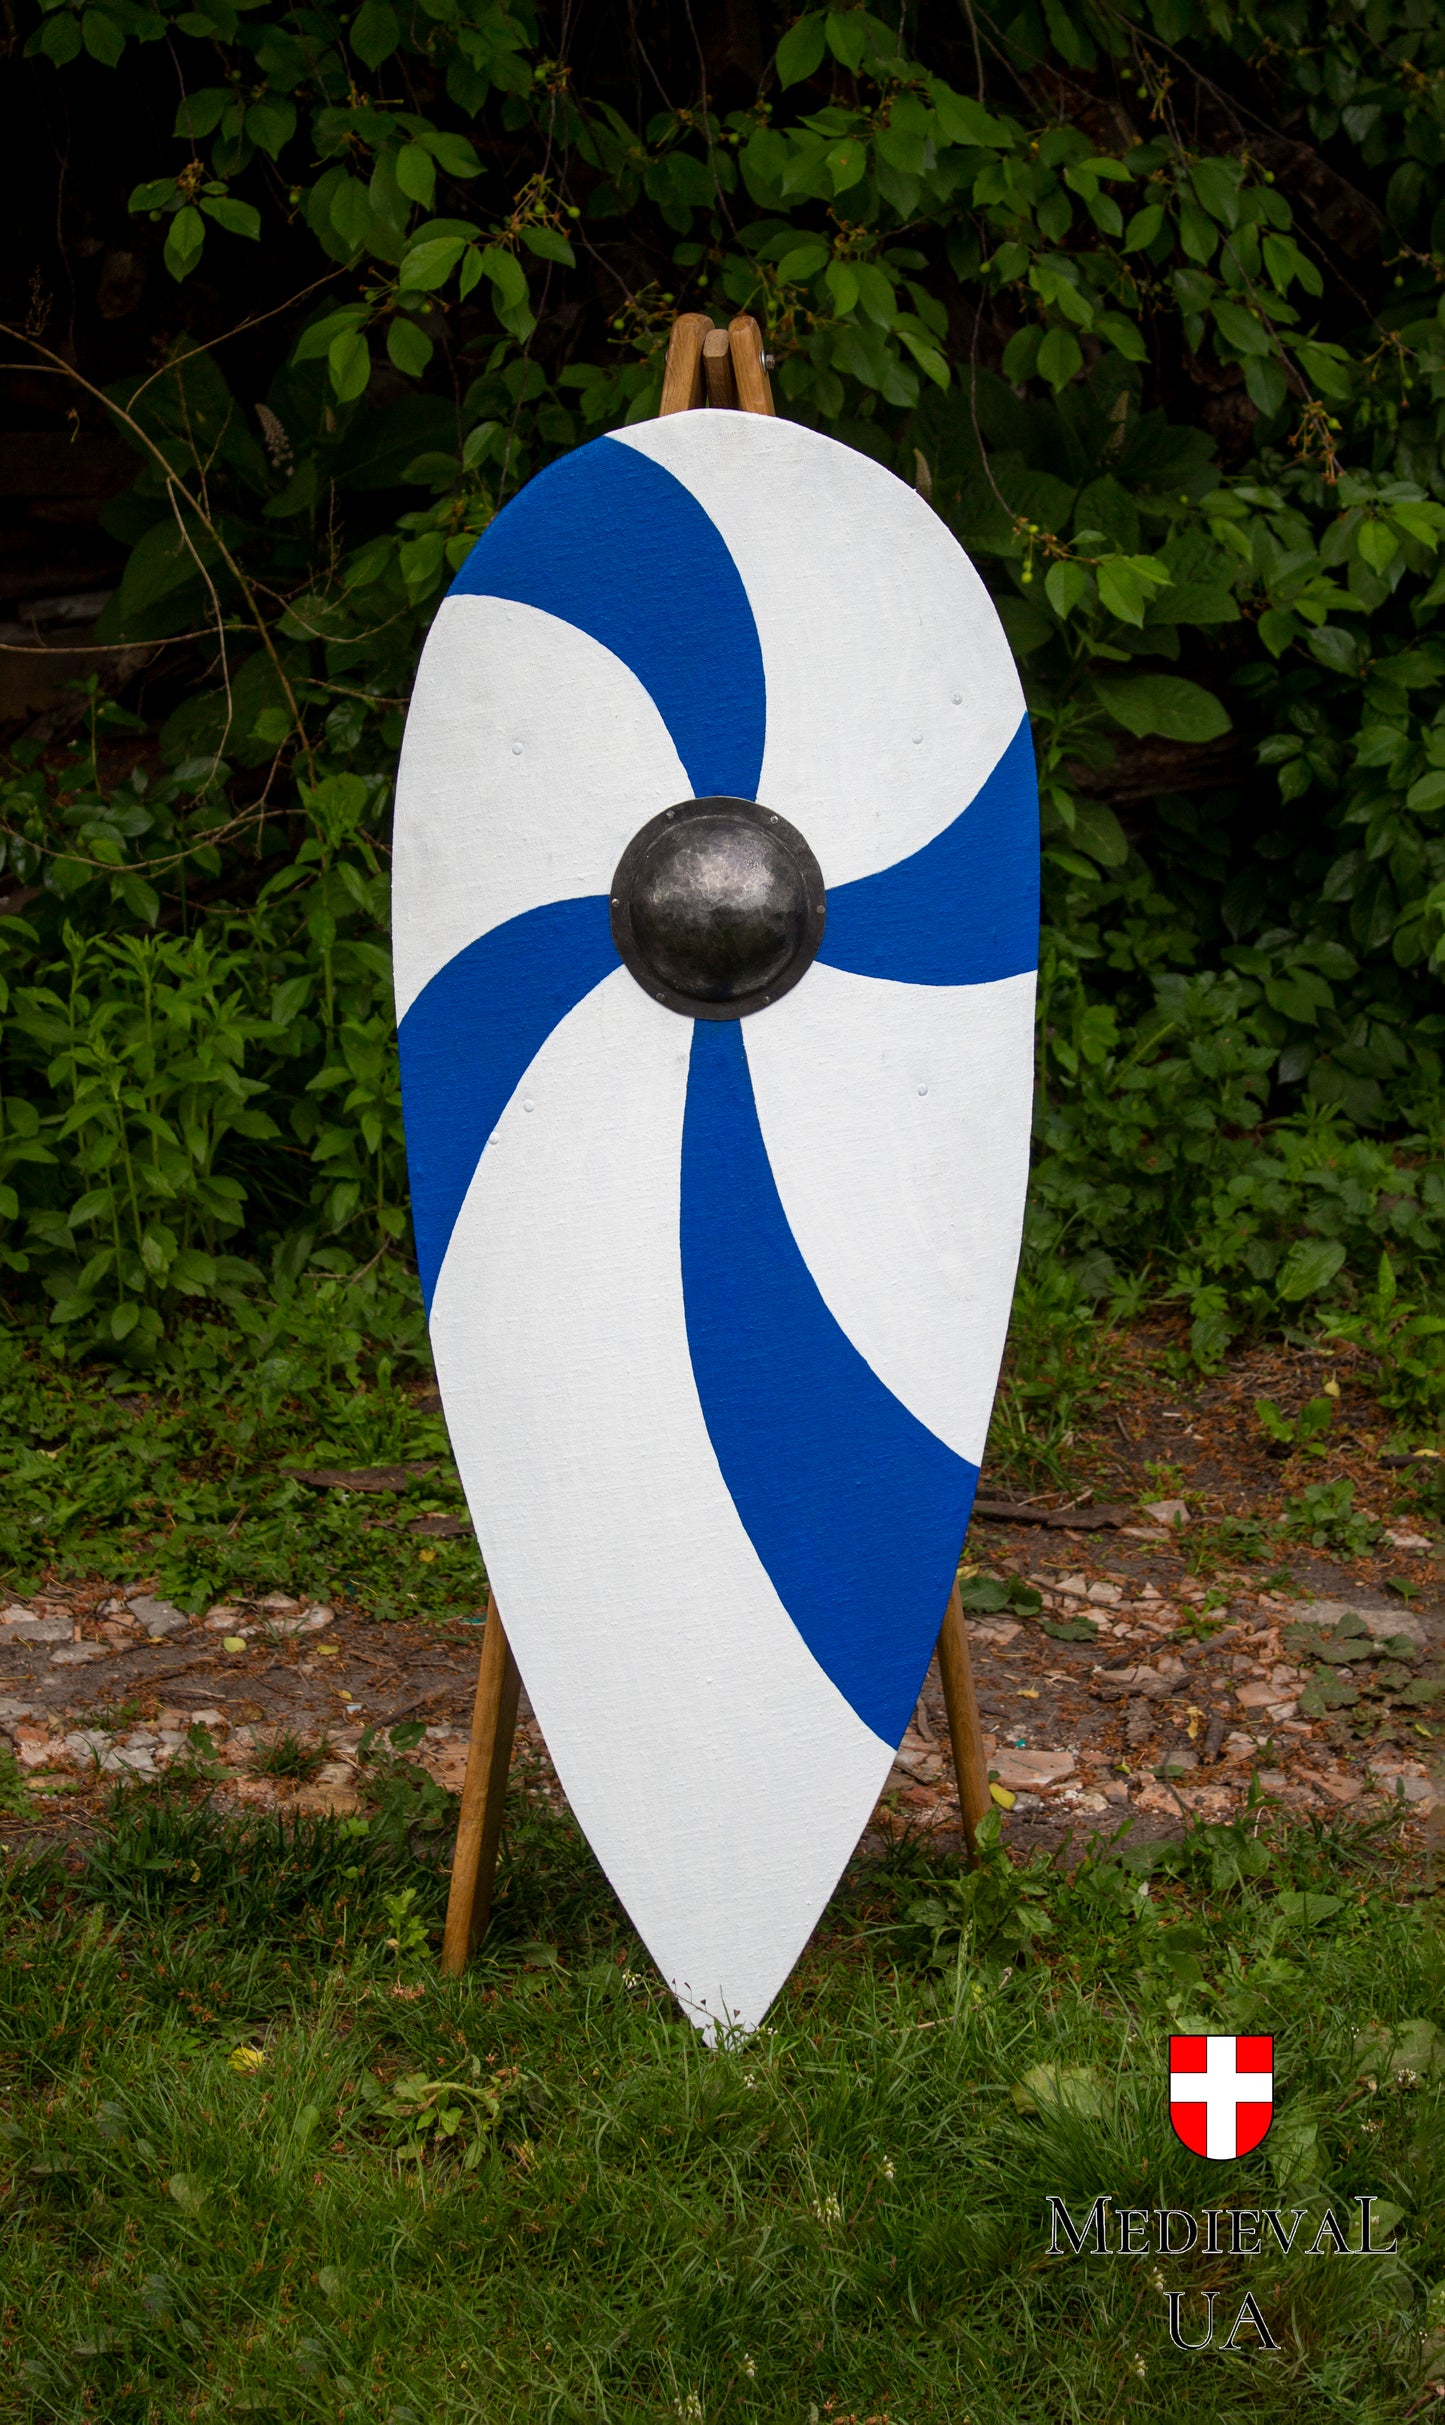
718 1304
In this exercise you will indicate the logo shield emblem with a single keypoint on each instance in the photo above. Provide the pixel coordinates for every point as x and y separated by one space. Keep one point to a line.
1221 2094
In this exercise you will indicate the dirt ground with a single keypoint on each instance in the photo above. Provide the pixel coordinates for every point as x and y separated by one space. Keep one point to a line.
1167 1668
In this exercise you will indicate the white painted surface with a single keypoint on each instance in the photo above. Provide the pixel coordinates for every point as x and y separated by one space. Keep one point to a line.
896 1119
892 692
721 1778
532 755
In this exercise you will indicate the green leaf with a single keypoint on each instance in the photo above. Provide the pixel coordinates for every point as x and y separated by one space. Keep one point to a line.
185 242
1165 704
153 197
408 347
58 38
102 36
1305 1910
549 244
1143 227
349 359
926 354
416 173
800 53
1072 2088
1197 232
1408 2046
375 31
1419 519
1126 584
270 124
847 34
968 122
1122 334
1333 646
453 154
430 264
509 288
349 210
1066 585
1098 831
1060 357
1243 331
1293 2151
1216 183
313 342
841 280
1376 545
847 164
876 293
803 262
201 113
1327 367
1309 1266
1421 1691
1428 793
238 218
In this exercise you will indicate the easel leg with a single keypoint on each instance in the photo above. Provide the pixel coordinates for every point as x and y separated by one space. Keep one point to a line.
474 1863
970 1761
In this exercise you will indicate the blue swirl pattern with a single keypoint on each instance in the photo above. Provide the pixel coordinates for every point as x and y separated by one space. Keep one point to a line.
854 1508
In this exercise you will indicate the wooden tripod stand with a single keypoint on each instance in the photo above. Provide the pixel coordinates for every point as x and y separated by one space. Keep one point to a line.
713 369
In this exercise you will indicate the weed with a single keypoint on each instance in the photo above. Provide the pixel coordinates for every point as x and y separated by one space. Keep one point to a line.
429 2116
14 1801
287 1756
1057 1368
1324 1514
1309 1433
1405 1342
990 1595
1230 1541
112 1717
189 1490
408 1936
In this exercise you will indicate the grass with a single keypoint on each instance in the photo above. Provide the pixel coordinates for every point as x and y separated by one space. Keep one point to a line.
187 1479
287 1756
187 1482
535 2195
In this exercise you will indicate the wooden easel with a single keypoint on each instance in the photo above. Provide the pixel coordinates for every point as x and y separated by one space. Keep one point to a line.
719 370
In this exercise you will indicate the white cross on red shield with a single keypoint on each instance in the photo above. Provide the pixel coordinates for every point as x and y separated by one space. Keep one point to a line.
1221 2093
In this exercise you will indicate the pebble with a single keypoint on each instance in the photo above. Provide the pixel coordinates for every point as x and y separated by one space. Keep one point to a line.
20 1626
313 1620
158 1617
77 1653
1261 1696
86 1743
1017 1770
1380 1622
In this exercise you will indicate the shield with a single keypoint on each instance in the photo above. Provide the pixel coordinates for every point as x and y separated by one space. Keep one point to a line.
715 929
1221 2094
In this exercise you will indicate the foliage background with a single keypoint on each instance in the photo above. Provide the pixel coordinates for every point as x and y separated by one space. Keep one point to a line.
1146 297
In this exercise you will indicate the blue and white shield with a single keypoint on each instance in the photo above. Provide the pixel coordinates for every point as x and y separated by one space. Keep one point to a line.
718 1300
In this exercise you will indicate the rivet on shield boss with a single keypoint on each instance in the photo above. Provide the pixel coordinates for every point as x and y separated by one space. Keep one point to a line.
716 928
